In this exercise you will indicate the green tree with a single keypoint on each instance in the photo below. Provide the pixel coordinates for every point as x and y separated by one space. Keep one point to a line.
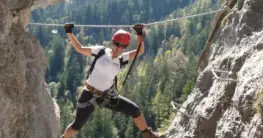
56 56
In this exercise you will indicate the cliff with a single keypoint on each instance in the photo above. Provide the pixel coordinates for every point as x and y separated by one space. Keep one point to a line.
228 109
27 109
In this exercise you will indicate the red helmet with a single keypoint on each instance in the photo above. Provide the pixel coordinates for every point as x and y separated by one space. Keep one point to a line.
122 37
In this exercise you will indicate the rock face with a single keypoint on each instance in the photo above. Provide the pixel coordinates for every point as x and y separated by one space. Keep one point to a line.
226 109
43 3
17 4
27 109
23 4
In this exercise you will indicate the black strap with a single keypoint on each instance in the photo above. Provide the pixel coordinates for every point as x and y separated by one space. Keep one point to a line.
101 53
137 51
123 63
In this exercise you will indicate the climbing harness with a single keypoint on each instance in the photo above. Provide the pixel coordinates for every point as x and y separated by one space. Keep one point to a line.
100 100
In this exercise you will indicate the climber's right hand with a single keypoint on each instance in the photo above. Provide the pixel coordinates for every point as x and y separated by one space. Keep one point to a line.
68 27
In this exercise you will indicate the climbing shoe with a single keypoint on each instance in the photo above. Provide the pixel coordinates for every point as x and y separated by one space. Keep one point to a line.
148 133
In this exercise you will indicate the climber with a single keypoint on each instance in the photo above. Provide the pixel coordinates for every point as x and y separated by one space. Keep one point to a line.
99 84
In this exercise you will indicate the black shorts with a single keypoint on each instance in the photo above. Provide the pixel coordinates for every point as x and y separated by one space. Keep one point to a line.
119 104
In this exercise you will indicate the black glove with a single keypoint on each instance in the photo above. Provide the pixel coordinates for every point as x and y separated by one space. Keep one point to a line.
68 27
139 29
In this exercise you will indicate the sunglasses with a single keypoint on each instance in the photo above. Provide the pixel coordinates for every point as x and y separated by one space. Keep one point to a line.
120 45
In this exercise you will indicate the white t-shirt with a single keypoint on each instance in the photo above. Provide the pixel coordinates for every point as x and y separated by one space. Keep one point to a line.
105 69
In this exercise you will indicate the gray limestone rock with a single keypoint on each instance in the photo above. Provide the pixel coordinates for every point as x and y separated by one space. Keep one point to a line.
17 4
27 109
24 4
225 109
5 22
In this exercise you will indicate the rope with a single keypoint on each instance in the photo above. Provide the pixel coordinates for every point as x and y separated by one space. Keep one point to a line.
190 16
90 26
129 26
